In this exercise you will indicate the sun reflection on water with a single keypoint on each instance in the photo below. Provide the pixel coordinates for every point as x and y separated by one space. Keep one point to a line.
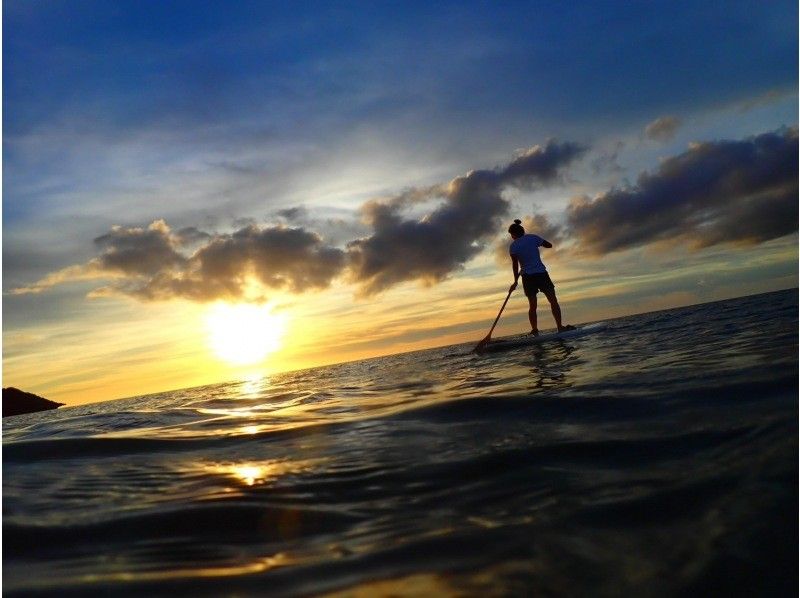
253 384
258 565
249 474
256 473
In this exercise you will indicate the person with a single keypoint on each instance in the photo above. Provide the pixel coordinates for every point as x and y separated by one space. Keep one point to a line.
524 251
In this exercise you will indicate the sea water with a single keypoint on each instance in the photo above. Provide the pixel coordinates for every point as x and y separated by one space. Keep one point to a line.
656 457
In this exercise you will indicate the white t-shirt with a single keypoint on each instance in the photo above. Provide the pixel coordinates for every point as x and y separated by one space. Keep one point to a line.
526 250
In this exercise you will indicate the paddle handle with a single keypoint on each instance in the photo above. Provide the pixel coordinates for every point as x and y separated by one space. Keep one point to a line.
500 313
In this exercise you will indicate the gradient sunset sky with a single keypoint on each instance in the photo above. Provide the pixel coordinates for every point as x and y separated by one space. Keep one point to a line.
351 169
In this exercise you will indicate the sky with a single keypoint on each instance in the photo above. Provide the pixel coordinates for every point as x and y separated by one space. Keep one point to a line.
196 192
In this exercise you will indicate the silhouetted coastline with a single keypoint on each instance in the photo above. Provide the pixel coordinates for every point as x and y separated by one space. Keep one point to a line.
17 402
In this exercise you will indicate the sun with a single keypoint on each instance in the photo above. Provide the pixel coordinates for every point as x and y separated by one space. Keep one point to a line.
244 334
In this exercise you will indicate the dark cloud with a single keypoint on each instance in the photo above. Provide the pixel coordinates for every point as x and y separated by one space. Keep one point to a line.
147 263
294 214
541 165
339 226
278 257
243 222
191 236
430 248
662 129
139 251
716 192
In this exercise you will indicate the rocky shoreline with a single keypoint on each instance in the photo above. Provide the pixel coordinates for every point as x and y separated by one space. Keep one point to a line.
17 402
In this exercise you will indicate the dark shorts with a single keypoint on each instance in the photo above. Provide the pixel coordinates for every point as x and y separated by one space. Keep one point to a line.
533 283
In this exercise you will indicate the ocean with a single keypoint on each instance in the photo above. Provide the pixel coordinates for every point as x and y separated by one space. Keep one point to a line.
657 456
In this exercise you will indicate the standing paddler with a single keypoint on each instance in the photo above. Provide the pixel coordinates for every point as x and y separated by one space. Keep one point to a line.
524 251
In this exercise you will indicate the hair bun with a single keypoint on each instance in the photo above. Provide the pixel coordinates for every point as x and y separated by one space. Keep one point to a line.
517 221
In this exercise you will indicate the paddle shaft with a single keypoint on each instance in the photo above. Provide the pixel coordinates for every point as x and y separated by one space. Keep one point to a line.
501 311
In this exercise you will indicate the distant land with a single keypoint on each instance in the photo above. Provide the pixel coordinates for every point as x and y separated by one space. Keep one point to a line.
17 402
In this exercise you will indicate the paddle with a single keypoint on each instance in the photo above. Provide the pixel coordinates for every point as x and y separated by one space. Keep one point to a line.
486 340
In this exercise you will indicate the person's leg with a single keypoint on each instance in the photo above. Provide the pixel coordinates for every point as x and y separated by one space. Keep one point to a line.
532 313
554 306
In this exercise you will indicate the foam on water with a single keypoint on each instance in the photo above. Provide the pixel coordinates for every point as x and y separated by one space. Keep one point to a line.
658 456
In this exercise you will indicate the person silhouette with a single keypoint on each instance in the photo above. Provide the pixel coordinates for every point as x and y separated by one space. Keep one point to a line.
524 251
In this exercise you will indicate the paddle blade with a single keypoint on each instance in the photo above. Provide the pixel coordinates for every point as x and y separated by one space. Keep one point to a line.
480 346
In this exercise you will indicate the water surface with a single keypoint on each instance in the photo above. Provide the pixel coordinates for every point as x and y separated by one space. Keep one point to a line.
656 457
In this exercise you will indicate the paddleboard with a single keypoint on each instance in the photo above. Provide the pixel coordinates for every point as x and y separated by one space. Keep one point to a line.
522 340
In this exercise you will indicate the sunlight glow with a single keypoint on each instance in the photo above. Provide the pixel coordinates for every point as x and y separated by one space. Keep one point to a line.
249 474
253 384
244 334
256 473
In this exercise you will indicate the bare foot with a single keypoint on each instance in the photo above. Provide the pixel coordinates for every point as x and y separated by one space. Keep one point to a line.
567 327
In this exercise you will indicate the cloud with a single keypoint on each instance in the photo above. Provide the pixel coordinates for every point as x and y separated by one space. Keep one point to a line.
139 251
339 225
191 236
764 99
720 192
740 192
74 273
278 258
293 214
663 128
126 252
150 263
157 263
430 248
606 161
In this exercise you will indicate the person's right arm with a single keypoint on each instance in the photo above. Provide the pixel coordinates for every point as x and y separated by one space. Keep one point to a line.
546 244
515 268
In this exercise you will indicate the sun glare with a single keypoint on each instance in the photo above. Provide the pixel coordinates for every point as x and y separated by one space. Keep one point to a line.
244 334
